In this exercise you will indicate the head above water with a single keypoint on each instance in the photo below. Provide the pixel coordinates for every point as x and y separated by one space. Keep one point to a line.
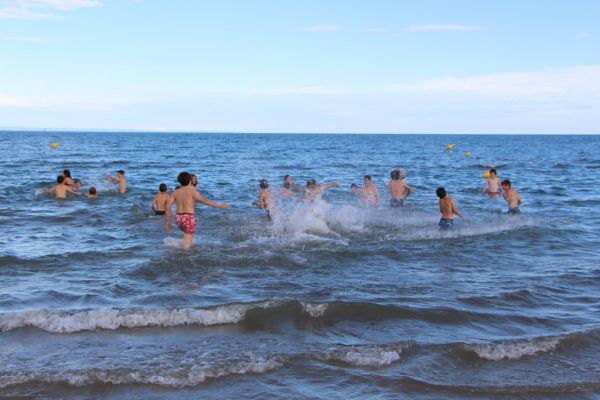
395 175
311 183
60 179
184 178
92 191
441 192
264 184
367 178
193 180
493 172
121 172
287 185
506 183
162 187
66 173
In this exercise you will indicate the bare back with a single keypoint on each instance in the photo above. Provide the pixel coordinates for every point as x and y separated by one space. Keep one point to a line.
448 208
185 200
397 189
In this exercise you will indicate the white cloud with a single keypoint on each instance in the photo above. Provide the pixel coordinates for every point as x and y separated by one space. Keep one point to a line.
443 28
41 9
547 83
322 28
23 39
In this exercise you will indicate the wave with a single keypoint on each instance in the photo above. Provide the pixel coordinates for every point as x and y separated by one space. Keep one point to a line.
71 321
170 377
366 356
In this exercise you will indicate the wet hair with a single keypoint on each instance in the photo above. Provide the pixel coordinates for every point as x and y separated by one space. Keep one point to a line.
66 173
264 184
177 187
92 190
121 172
191 178
395 174
285 177
368 177
441 192
162 187
353 186
287 185
184 178
506 182
60 179
311 182
493 171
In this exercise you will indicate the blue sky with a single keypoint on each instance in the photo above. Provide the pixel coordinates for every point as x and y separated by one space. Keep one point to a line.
304 66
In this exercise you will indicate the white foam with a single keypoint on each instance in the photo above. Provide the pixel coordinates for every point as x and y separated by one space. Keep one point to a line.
110 318
366 356
180 377
173 243
315 310
513 349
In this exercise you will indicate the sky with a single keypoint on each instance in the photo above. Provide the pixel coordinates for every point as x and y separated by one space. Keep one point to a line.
495 66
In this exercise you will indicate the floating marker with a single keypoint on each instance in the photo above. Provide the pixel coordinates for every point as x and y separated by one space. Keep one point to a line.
450 147
486 174
54 145
468 154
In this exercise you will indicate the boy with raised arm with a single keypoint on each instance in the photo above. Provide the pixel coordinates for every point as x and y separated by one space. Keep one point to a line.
185 215
61 189
399 190
447 208
492 184
512 197
313 191
118 180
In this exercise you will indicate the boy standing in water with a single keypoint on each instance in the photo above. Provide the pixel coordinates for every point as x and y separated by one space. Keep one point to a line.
399 190
512 197
313 192
61 189
185 200
369 195
91 194
492 184
159 204
447 208
119 179
264 197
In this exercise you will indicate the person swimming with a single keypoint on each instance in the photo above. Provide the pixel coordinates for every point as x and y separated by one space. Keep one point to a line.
264 197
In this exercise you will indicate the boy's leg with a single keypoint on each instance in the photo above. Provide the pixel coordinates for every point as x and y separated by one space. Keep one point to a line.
187 240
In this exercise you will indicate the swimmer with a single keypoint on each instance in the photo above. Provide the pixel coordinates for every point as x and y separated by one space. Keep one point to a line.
492 184
447 208
61 189
292 182
512 197
118 180
354 189
313 191
91 194
399 190
368 195
264 197
185 200
69 181
286 191
194 180
159 204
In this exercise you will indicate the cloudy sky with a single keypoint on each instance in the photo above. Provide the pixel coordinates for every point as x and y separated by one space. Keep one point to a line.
496 66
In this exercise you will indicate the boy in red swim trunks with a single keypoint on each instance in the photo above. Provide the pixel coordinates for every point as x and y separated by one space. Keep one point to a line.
185 200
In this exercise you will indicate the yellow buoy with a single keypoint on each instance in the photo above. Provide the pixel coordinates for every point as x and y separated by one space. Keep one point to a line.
468 154
54 145
486 174
450 147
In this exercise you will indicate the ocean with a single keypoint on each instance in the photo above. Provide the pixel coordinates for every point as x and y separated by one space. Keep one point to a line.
327 301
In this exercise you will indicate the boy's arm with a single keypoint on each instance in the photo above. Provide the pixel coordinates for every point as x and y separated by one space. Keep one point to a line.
207 202
330 184
154 202
456 209
407 190
376 196
169 204
110 178
72 191
51 190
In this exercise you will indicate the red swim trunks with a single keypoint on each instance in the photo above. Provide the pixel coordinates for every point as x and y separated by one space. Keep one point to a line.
186 222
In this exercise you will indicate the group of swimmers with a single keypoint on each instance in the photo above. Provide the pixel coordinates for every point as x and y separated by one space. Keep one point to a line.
186 195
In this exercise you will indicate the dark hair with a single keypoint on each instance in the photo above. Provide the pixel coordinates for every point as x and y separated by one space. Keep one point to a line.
287 185
60 179
353 186
285 177
441 192
395 174
506 182
162 187
121 172
67 173
311 182
192 176
368 177
92 190
493 171
263 184
184 178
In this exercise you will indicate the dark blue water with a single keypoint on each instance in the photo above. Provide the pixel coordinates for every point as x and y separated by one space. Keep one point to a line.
327 301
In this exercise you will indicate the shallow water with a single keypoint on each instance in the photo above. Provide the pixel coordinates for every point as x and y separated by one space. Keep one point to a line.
327 301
